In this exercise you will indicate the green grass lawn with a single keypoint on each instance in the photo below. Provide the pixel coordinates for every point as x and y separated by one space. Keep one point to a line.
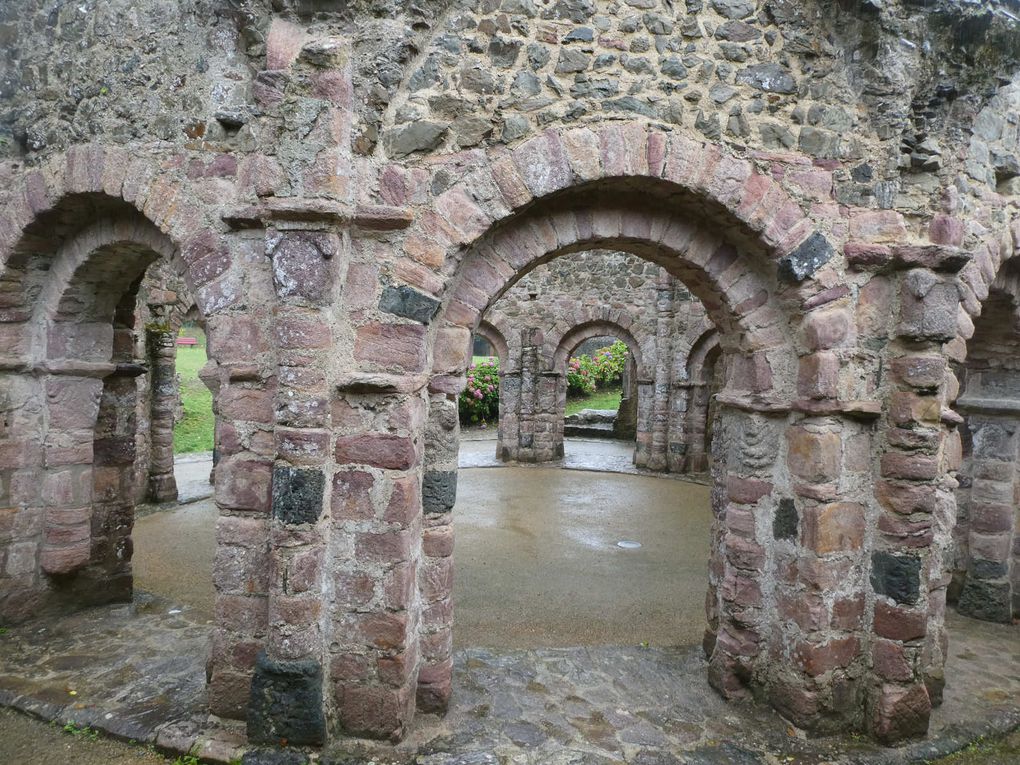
602 399
195 432
480 359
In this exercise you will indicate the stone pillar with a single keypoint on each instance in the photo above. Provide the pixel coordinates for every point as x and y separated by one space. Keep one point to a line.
747 495
108 577
625 425
290 670
435 579
240 375
688 445
508 431
165 394
645 415
665 307
531 421
73 405
306 206
914 490
989 590
22 408
377 569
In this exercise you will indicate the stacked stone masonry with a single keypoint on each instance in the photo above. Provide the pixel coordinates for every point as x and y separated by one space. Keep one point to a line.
538 323
345 193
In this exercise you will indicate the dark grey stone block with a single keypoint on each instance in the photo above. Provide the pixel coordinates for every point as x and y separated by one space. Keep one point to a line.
772 78
438 490
896 576
297 494
408 303
784 524
988 601
813 253
286 703
987 569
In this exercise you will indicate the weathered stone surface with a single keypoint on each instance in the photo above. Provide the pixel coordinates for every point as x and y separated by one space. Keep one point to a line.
987 600
297 494
408 303
454 152
896 576
771 78
810 255
786 521
286 703
418 136
274 757
439 490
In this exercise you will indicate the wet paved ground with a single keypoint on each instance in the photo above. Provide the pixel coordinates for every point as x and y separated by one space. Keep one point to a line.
537 561
138 671
537 557
478 449
131 668
191 471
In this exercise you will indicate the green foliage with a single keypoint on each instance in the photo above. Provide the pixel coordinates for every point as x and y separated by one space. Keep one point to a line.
603 369
195 432
81 731
601 399
187 759
479 403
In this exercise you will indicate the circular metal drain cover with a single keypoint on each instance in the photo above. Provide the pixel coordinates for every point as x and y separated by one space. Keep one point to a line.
628 544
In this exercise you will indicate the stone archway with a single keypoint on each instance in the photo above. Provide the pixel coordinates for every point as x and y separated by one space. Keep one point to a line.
478 247
987 556
636 381
694 410
497 339
84 228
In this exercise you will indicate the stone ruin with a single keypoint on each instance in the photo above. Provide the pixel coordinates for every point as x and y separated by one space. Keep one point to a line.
345 189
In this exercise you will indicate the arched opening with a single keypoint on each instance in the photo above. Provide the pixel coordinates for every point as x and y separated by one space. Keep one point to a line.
598 396
104 292
987 557
703 377
734 283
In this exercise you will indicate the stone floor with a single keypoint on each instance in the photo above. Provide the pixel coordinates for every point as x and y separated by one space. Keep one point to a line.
478 449
137 671
192 472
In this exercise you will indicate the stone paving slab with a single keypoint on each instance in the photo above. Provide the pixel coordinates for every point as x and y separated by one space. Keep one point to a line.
137 672
595 454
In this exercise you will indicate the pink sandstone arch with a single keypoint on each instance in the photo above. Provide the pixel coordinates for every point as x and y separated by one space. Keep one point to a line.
93 214
594 323
497 339
565 192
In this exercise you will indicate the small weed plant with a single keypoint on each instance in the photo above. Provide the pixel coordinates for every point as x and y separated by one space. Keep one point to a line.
81 731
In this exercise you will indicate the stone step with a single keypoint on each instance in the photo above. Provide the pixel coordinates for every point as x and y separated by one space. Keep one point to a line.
591 430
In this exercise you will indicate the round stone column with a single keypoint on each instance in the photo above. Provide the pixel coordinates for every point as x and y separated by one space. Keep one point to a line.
165 390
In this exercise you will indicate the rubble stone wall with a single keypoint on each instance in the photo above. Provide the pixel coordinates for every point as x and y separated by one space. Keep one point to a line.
347 191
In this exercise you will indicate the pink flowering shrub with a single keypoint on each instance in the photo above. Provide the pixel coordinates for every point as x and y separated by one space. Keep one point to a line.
603 369
479 403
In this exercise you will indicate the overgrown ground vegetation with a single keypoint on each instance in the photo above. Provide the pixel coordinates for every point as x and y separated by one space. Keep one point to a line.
194 433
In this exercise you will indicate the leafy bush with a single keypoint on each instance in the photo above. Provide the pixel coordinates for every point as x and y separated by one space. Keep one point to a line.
604 368
580 376
479 403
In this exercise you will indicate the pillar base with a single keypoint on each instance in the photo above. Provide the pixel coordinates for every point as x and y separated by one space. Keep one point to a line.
162 488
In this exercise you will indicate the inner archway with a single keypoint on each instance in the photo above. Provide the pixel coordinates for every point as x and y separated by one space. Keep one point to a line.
734 285
987 558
